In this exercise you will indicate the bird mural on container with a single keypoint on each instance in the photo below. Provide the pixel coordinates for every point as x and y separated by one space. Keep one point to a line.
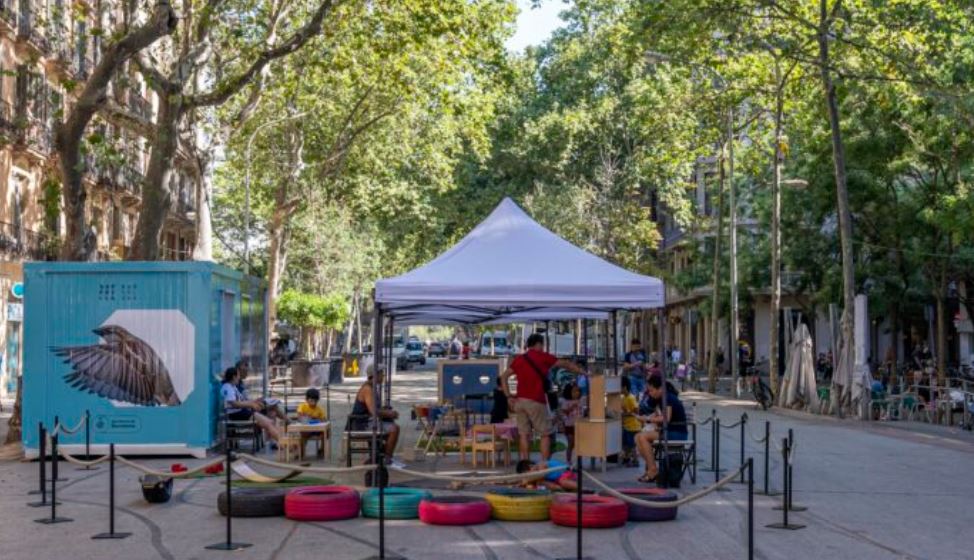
122 367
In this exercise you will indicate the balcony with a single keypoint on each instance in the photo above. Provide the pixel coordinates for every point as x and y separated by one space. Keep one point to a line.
21 242
139 104
29 33
33 135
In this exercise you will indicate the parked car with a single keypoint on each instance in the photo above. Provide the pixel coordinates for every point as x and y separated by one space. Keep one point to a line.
436 349
414 352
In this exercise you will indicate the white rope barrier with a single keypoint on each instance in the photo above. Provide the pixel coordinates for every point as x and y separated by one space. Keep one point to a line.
168 474
750 432
476 477
60 428
320 470
79 462
663 505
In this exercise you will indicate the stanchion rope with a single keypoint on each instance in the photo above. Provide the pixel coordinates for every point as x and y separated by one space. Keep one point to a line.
705 422
750 433
663 505
729 426
476 479
168 474
79 462
321 470
60 428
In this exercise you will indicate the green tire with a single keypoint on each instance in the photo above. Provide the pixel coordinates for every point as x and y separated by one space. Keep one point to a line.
400 503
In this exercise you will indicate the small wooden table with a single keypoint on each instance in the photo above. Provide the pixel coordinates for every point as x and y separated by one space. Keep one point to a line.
321 429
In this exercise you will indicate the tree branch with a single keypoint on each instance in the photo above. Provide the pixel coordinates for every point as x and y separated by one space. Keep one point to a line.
224 91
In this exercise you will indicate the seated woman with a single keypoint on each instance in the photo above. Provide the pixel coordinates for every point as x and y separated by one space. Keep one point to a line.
366 404
238 408
676 421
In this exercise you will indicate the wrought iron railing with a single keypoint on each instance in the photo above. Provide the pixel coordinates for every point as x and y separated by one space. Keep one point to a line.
22 242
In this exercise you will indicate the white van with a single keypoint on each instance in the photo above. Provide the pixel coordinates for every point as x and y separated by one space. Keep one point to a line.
495 344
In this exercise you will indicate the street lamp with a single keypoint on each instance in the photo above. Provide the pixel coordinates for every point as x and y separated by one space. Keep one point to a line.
250 144
720 84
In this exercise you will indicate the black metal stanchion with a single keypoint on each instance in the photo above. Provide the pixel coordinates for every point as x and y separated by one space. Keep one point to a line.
42 467
693 461
88 443
111 534
54 469
785 452
578 519
791 474
713 442
229 544
743 437
717 469
53 518
750 508
767 460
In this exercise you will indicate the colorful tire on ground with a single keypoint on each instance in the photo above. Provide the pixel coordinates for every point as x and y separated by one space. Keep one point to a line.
454 510
254 502
646 513
321 503
598 512
519 504
398 503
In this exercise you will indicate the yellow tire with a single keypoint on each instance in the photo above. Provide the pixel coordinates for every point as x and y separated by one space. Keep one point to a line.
514 504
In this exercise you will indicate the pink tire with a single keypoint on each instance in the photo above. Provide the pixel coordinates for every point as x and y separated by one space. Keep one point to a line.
598 512
321 503
454 510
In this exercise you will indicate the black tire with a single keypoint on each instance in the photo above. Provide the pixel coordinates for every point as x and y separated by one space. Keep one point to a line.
254 502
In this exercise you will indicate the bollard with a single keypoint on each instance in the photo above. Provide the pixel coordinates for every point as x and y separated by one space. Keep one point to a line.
750 508
53 518
111 534
785 452
229 544
42 466
791 476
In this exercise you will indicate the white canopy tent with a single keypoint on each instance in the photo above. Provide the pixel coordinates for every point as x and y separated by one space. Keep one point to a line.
510 268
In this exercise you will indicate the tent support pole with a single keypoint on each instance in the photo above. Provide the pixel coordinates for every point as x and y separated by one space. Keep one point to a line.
665 463
615 348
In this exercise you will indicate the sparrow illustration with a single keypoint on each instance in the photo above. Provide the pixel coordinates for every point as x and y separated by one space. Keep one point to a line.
122 368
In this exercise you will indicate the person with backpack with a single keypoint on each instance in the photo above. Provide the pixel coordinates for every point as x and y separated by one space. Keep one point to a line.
530 406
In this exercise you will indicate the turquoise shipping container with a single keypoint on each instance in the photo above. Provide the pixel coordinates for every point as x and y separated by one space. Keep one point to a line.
141 346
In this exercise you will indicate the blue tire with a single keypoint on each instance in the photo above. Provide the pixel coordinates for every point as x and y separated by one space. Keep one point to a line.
400 503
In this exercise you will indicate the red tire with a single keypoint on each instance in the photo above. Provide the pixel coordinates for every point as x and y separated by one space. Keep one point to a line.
598 512
321 503
646 513
454 510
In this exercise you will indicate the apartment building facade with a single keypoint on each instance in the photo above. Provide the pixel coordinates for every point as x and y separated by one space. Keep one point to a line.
47 48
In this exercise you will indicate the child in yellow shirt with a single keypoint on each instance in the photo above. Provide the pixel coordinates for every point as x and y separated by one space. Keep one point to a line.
630 424
310 409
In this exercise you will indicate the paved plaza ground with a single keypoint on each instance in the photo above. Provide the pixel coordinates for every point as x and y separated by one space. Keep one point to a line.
873 491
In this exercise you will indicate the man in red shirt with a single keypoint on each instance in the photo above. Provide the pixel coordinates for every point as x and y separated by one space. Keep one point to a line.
531 404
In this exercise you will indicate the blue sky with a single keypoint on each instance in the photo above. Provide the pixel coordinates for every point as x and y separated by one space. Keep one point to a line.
535 25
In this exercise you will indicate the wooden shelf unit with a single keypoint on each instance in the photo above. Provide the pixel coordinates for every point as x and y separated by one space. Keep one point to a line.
600 434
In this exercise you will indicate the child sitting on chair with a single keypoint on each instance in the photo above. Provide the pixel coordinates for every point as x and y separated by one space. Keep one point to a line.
556 481
310 411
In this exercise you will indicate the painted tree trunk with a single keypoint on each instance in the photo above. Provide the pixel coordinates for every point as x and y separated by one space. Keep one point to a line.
276 261
203 251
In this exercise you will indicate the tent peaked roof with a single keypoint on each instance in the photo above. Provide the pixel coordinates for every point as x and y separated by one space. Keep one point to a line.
510 264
